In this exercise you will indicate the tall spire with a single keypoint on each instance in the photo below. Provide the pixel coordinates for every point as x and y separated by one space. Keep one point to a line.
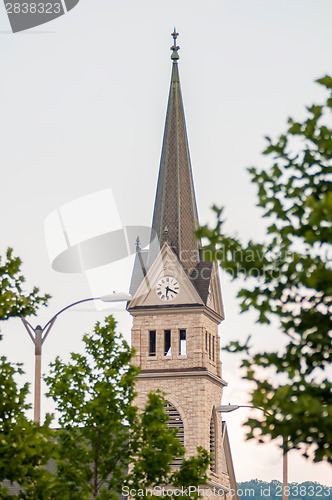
175 213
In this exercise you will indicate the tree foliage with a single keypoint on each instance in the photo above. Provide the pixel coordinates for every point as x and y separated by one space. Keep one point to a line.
25 447
14 302
104 442
289 277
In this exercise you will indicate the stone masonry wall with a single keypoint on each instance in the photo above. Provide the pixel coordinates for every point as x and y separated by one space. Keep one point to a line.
196 325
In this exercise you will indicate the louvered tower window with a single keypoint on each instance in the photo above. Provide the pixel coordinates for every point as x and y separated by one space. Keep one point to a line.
167 343
213 443
152 342
182 343
175 421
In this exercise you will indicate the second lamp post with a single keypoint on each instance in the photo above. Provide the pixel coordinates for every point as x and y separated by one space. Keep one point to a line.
229 408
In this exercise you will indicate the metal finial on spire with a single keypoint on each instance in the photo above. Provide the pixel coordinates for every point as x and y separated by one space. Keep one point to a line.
166 231
138 244
175 56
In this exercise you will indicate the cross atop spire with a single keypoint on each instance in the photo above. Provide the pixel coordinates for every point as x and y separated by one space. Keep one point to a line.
175 56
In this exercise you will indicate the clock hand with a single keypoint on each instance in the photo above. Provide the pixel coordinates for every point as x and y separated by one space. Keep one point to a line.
167 290
170 290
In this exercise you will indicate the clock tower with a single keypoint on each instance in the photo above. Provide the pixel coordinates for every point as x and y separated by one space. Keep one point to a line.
177 307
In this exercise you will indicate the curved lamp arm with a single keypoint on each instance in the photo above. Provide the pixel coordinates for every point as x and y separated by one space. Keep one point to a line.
113 297
38 336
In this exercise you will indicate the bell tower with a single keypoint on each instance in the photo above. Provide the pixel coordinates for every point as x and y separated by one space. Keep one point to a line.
177 306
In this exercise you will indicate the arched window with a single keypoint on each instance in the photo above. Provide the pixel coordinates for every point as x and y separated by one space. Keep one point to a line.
213 447
175 421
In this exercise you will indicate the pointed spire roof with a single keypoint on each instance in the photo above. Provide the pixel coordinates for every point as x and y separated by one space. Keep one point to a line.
175 212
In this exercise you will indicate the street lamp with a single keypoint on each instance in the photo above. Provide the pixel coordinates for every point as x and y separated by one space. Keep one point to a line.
228 408
38 336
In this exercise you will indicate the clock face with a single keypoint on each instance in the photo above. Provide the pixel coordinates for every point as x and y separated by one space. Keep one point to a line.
167 288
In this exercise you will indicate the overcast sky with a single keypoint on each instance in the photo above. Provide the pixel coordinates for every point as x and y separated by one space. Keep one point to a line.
83 103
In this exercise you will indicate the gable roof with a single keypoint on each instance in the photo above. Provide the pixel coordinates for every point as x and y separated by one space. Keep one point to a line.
200 277
229 460
165 264
141 266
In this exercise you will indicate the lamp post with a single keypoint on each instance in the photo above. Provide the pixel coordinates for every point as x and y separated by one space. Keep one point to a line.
229 408
38 336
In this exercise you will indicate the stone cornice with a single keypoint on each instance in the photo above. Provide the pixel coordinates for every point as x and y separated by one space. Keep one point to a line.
176 309
181 373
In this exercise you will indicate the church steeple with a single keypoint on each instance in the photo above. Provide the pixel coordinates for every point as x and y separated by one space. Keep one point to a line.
175 213
177 307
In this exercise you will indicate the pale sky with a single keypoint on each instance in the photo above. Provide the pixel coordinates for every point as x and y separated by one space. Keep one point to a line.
83 103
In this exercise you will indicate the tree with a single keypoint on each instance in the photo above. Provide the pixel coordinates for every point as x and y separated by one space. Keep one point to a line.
290 278
13 301
25 447
104 442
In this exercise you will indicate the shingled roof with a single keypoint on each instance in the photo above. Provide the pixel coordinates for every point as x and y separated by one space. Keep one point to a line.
175 213
201 277
141 265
